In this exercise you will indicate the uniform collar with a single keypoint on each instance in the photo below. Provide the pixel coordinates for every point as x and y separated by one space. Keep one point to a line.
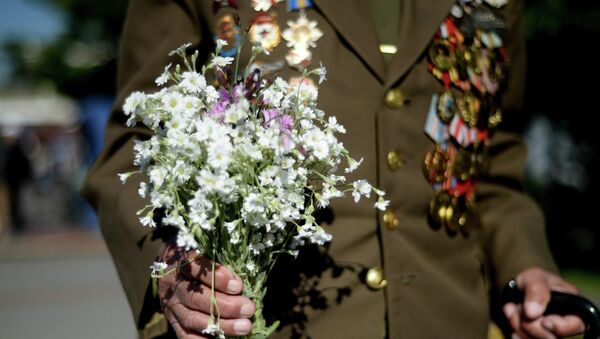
352 20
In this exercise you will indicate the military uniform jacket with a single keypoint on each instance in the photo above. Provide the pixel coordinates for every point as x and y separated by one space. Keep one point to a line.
434 284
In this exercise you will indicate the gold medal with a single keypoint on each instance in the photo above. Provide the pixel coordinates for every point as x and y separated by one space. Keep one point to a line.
263 5
265 31
301 35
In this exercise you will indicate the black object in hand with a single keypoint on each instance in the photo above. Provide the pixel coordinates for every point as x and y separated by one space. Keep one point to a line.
561 304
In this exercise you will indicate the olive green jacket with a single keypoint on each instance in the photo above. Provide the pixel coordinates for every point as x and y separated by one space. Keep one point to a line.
438 285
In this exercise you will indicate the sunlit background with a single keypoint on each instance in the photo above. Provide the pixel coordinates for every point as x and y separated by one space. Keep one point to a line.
57 70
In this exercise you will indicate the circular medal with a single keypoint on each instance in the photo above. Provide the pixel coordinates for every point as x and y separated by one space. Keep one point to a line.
227 30
302 33
446 106
265 31
435 165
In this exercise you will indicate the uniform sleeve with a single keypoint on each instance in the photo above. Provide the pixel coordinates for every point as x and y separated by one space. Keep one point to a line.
152 29
512 222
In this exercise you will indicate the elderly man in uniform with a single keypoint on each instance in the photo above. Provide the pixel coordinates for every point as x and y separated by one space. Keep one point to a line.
423 88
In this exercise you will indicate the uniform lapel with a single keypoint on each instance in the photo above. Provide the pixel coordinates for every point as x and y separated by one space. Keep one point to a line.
352 20
420 21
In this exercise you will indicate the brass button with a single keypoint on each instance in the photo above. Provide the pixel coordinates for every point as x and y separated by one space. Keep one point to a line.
394 98
390 220
395 160
375 279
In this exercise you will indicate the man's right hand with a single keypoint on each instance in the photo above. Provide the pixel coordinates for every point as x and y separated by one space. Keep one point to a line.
185 295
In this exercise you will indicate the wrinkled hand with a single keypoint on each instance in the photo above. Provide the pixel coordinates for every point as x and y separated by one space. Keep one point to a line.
185 296
527 319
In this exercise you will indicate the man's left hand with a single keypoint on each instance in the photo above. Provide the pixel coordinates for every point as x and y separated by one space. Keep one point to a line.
528 319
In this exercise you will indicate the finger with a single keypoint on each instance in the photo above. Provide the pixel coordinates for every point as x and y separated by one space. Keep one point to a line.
560 285
534 329
192 320
511 311
563 326
200 268
196 296
537 295
180 331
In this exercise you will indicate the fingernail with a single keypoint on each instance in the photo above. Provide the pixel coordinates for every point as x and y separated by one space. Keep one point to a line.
234 286
548 324
534 309
514 336
247 310
242 326
509 310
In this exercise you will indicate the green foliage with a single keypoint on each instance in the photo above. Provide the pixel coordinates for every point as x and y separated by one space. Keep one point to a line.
79 62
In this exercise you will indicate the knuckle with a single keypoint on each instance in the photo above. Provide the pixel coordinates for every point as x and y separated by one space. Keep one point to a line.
199 300
227 306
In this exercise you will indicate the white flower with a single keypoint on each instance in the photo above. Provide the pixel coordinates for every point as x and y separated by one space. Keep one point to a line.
320 237
333 125
212 95
220 44
382 204
158 269
148 220
191 104
353 165
158 175
237 112
124 176
181 49
321 72
231 225
192 82
251 267
143 189
174 220
164 77
214 330
186 241
219 154
173 102
360 187
182 171
134 102
222 61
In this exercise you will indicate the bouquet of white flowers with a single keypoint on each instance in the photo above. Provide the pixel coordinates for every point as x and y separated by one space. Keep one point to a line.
239 169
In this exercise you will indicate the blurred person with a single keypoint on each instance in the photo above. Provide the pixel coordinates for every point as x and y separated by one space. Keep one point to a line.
459 225
15 169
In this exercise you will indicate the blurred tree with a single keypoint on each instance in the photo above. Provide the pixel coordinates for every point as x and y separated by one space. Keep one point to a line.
79 62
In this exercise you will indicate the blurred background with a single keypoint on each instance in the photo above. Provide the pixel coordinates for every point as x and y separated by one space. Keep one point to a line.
57 75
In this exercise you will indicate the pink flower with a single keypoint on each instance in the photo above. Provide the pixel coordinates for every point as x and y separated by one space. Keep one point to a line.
286 122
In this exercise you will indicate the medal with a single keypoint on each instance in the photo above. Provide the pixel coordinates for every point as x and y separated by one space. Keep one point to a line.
435 165
263 5
298 58
302 33
265 31
227 30
300 36
446 106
